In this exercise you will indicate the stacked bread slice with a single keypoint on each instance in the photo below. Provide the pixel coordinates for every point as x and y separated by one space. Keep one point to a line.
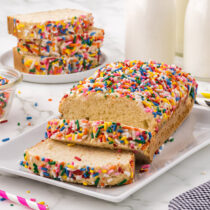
125 109
79 164
55 42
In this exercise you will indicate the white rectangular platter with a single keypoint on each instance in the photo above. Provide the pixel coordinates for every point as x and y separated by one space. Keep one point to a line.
193 135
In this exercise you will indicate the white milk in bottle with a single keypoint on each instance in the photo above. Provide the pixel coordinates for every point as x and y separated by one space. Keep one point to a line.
150 30
197 39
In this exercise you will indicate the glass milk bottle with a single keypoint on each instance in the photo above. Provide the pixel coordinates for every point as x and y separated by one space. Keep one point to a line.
197 39
181 6
150 30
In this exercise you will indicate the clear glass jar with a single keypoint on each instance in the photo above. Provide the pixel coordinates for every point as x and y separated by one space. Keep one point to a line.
7 90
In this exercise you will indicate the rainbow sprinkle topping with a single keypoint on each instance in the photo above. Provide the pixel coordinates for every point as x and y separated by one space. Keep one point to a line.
109 134
157 87
45 65
63 45
48 29
75 172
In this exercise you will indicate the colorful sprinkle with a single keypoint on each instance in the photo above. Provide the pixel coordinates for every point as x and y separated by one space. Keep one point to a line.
77 158
157 87
6 139
111 133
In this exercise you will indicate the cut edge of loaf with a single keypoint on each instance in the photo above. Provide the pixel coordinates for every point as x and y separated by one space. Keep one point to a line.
41 160
121 110
100 134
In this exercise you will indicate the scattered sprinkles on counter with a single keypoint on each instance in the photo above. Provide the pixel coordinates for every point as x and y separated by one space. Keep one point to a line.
3 121
5 139
2 199
111 133
171 139
49 99
157 87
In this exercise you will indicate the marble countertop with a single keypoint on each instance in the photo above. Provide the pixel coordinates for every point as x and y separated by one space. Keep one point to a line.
33 100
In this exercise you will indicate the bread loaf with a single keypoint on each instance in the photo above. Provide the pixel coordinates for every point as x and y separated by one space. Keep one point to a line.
79 164
152 96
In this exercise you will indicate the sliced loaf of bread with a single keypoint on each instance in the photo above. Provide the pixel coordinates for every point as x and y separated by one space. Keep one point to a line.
79 164
44 25
152 96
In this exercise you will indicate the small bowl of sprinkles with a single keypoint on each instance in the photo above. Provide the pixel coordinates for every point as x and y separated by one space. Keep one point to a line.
9 78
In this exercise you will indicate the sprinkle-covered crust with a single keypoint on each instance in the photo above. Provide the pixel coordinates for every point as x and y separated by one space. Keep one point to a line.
99 133
157 87
4 97
63 45
48 29
77 169
45 65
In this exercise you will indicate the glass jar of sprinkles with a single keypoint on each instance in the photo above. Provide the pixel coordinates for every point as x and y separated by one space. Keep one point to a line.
9 78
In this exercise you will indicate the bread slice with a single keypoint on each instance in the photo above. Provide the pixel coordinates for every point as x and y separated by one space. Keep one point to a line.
99 134
46 65
152 96
44 25
63 45
79 164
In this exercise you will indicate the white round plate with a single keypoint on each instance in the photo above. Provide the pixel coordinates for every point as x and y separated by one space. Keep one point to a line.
6 59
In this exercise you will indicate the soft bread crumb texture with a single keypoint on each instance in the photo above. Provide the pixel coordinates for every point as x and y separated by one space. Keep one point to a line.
90 156
110 108
89 166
